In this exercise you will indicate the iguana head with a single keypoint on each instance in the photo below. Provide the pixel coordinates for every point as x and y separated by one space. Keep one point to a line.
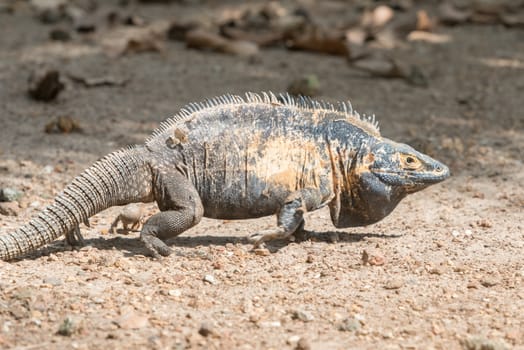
379 177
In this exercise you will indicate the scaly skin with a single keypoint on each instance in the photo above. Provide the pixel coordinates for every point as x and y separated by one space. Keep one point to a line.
239 158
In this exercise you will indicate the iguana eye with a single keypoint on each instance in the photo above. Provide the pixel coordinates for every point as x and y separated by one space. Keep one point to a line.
410 162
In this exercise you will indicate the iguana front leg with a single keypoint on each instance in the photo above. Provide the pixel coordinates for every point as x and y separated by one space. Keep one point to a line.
290 218
181 208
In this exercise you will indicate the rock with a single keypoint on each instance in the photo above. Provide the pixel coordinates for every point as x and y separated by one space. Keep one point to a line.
373 258
58 34
132 320
9 208
394 283
54 281
210 279
8 194
262 251
480 343
49 11
349 325
67 327
45 85
63 124
303 344
303 315
307 85
206 329
489 281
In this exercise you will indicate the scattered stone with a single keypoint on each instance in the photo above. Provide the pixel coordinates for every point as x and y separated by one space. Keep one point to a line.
481 343
270 324
49 11
484 223
489 281
8 194
67 327
45 85
174 292
310 258
63 124
394 283
349 325
206 329
373 258
303 315
132 320
9 208
58 34
85 26
303 344
54 281
210 279
262 251
307 85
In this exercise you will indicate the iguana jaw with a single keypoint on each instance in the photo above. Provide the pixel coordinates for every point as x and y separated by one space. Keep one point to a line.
399 165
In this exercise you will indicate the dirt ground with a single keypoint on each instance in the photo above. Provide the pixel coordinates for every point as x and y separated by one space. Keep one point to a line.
447 266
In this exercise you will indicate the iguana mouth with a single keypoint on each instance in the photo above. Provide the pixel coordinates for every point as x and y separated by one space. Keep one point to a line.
403 178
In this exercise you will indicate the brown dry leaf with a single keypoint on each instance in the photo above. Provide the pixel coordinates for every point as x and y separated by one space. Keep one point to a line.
424 22
261 38
136 39
205 40
331 42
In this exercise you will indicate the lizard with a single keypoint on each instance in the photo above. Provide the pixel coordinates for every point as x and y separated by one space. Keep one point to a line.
239 157
132 214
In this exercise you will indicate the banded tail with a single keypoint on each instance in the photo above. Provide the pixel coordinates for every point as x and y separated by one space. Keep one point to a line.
119 178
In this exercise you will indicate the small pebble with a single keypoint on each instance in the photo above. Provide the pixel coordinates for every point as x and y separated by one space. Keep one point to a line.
9 208
262 251
210 279
394 283
10 194
303 315
349 325
67 327
206 329
303 344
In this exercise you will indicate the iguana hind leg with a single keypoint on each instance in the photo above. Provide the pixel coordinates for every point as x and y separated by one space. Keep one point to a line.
74 237
181 209
290 216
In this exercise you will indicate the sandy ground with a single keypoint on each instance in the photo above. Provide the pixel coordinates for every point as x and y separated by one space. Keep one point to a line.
448 267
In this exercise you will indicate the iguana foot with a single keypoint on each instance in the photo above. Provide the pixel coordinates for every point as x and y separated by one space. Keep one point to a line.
155 246
74 238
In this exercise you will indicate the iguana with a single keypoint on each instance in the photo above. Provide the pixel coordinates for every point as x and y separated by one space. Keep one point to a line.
235 157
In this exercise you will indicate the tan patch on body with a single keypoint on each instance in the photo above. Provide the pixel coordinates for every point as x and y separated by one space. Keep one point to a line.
286 162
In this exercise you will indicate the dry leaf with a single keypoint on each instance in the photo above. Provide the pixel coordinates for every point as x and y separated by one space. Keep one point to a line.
317 40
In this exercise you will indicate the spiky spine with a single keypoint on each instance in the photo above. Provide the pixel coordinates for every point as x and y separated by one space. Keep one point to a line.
119 178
